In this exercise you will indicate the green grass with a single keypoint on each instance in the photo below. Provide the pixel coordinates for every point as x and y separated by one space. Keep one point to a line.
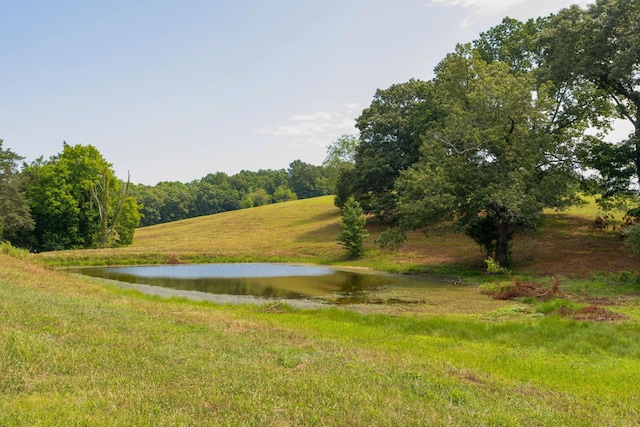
74 352
306 231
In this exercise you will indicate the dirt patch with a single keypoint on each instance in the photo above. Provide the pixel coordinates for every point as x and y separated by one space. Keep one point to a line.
518 289
591 312
568 245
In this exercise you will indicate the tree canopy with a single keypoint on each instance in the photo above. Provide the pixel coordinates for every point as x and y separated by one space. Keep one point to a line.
491 166
390 130
76 201
599 57
15 217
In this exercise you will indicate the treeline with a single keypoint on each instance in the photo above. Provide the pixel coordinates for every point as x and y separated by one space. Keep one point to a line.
71 200
74 200
219 192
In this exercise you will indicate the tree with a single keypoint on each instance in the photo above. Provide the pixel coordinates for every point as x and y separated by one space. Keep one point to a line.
283 194
177 201
341 156
492 166
512 42
15 218
353 231
150 199
110 202
390 130
305 179
214 194
601 49
74 197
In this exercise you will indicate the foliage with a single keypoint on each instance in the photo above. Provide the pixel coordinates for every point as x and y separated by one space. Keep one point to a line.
512 42
8 249
632 238
306 180
390 130
339 159
15 218
128 220
494 268
353 232
492 166
493 288
76 200
601 51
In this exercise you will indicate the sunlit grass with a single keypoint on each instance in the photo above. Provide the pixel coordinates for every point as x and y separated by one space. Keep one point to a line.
73 352
568 244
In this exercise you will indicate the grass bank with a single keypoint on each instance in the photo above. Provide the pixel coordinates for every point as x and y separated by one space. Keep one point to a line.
77 353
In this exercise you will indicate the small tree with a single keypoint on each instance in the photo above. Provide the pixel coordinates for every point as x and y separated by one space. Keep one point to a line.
353 231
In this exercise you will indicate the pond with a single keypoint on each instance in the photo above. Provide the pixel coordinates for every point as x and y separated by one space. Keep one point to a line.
247 282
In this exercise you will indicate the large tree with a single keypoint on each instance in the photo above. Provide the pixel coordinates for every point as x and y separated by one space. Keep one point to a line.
492 165
15 218
390 130
599 47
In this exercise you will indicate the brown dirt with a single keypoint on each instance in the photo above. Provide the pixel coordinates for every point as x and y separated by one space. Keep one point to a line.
536 290
571 246
591 312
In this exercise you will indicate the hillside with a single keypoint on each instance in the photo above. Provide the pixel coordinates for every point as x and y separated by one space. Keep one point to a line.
305 231
84 352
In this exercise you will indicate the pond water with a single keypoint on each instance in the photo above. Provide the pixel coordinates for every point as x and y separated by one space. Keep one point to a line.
261 280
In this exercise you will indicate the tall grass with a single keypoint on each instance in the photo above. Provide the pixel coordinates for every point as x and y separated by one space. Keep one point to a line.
7 249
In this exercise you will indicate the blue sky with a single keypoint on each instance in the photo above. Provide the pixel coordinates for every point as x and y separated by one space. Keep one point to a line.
174 90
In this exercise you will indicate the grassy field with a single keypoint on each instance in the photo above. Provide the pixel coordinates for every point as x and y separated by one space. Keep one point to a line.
76 351
306 231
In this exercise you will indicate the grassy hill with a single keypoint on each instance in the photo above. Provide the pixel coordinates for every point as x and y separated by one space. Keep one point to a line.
568 244
78 351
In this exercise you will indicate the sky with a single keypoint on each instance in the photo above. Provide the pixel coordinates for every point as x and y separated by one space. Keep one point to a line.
175 90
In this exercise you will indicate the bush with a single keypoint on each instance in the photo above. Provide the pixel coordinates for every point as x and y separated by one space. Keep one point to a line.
494 288
353 232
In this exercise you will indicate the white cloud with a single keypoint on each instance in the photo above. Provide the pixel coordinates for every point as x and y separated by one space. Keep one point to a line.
316 129
519 9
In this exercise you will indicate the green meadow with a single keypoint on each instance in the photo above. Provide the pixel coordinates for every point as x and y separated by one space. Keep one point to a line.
80 351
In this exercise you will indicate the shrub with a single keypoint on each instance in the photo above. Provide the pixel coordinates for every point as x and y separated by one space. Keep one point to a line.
353 232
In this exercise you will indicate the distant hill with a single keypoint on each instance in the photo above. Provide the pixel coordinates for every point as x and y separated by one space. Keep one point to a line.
306 231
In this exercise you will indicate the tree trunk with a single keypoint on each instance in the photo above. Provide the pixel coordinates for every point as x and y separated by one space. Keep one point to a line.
502 244
636 142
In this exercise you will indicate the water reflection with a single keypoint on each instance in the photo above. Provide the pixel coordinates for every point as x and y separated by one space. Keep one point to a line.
261 280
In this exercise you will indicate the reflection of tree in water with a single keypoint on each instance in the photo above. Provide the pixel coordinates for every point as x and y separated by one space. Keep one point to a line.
352 283
355 287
